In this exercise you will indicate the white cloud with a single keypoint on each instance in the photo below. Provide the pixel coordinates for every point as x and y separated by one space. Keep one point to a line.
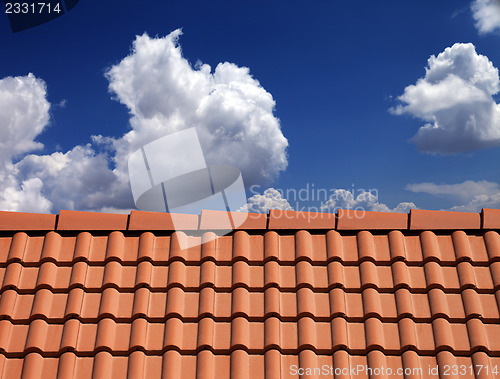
455 99
486 13
339 199
472 195
464 192
365 200
479 202
270 199
24 114
78 179
25 197
233 114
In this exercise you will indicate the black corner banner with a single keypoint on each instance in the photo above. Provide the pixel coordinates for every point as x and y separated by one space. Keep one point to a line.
26 14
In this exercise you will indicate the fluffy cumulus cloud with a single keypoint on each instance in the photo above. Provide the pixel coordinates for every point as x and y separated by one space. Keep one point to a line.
363 200
486 14
24 113
455 99
270 199
24 197
472 196
232 112
78 179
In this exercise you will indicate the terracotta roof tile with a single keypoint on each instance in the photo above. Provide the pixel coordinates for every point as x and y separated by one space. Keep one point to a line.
26 221
279 219
423 219
364 220
75 220
490 218
259 302
219 220
140 220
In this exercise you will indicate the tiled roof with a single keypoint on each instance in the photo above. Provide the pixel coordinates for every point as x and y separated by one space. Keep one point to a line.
90 295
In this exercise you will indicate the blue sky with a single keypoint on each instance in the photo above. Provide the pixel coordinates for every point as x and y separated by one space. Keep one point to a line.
333 68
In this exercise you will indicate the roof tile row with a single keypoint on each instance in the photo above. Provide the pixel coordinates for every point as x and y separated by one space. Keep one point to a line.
239 364
240 333
303 274
224 306
276 220
284 249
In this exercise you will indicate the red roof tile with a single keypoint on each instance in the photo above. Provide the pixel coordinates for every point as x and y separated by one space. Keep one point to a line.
279 219
249 221
364 220
256 303
26 221
140 220
425 220
490 218
218 220
75 220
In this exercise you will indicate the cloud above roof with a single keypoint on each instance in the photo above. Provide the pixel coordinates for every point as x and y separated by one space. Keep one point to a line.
362 200
486 14
465 191
232 112
270 199
471 195
455 99
24 114
338 199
